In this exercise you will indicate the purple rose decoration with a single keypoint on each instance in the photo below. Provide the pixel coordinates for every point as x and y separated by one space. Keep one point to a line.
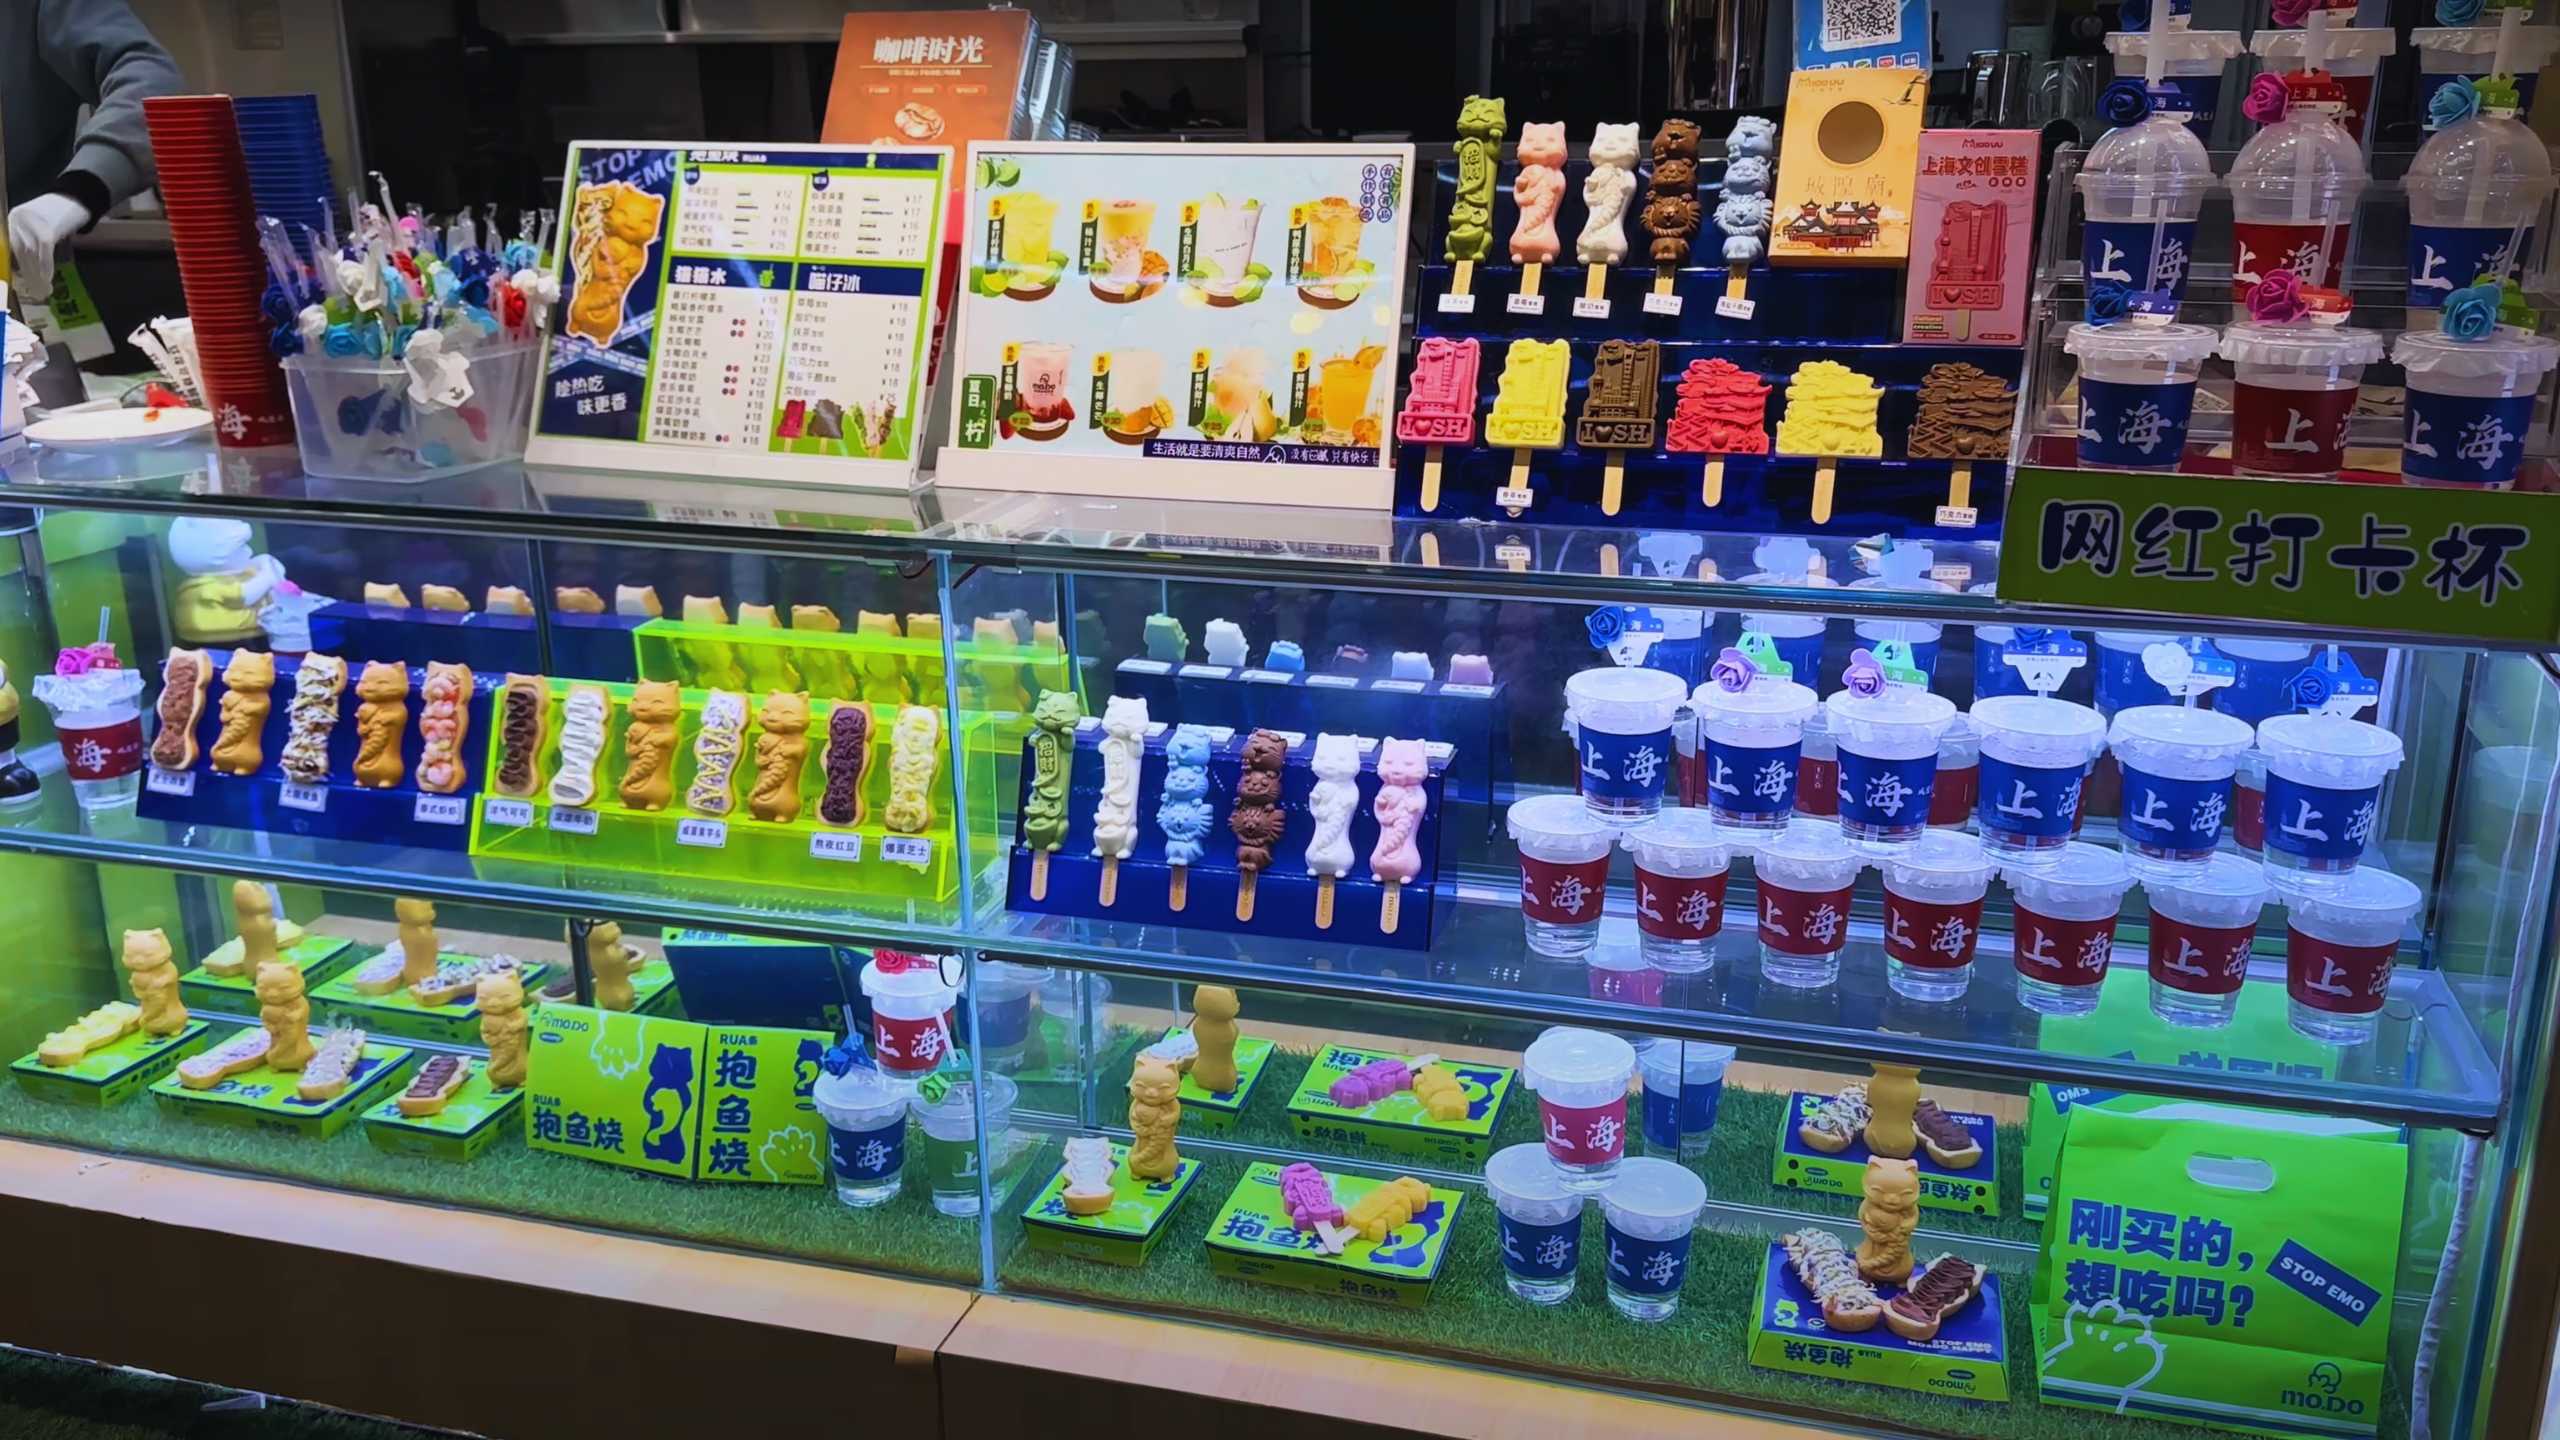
1733 671
1863 676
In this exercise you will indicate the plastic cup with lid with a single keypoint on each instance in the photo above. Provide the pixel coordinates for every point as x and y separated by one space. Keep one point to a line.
1991 674
2324 790
2475 189
2339 944
97 716
1933 915
1564 872
2194 66
952 1123
2142 186
1580 1078
1683 1087
1682 860
910 1012
2295 186
1000 1010
2063 928
2035 761
1888 762
2446 52
1798 637
2469 405
1649 1215
1754 738
1818 770
1803 876
2122 682
2177 764
2137 391
2353 56
2202 927
2293 387
1959 776
866 1115
2262 674
1621 717
1923 636
1540 1220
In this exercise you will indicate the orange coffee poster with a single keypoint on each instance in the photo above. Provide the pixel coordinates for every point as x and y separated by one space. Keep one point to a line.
928 77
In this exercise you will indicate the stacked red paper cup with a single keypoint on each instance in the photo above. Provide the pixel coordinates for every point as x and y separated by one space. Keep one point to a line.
204 183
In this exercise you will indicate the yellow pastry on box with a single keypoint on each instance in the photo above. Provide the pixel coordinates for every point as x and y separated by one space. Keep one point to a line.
638 601
576 600
443 597
248 694
381 720
377 593
96 1030
506 600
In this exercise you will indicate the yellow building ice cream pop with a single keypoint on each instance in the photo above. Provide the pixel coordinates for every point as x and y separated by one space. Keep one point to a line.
1528 407
1831 412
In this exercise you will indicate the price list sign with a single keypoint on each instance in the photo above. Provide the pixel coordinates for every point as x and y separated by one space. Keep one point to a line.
760 313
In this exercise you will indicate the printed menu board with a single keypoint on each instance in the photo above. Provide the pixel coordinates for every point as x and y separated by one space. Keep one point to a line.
929 77
755 313
1193 321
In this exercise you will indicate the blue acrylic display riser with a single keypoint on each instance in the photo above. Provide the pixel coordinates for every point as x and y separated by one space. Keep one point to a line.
1472 718
414 637
595 647
1823 309
1284 894
206 796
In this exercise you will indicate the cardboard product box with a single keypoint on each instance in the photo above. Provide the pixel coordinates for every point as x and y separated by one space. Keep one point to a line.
319 957
1972 238
111 1074
468 1124
1967 1359
1252 1239
1398 1124
1848 162
670 1097
1125 1234
1974 1190
1203 1110
265 1099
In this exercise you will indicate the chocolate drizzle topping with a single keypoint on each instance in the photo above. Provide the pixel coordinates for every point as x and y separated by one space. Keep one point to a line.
519 727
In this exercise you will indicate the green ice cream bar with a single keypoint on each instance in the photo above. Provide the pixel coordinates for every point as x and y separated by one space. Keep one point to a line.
1044 817
1480 126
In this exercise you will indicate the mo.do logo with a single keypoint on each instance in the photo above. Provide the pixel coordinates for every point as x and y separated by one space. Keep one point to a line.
2320 1392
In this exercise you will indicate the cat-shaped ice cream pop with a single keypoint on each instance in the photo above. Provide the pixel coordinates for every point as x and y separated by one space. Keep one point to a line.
1605 191
1538 191
1330 803
1396 860
1183 814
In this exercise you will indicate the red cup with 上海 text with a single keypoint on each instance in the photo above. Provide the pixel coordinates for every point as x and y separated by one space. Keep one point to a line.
2063 930
1682 861
1564 873
2202 928
1933 915
2340 941
1803 877
1580 1078
2293 387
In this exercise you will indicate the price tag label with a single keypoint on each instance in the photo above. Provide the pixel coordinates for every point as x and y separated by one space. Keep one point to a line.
703 834
1956 574
499 810
569 820
1513 554
440 810
906 849
314 798
169 782
1587 308
1264 677
1734 307
1657 303
1206 672
1408 687
1515 497
1147 667
1457 304
1525 304
1457 687
828 845
1335 682
1958 517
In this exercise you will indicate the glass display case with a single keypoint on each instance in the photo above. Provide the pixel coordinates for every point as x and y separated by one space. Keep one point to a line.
1835 993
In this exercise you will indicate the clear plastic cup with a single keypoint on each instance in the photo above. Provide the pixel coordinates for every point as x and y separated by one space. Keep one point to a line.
2339 944
2122 683
2177 764
1924 637
2292 389
910 1019
1959 775
2475 190
1933 916
1649 1214
1804 876
1580 1078
2142 187
2294 189
1541 1223
1681 864
2063 930
2352 56
1000 1010
2196 61
1818 770
1621 717
1888 763
1564 872
2201 929
2249 803
1797 637
2469 405
866 1115
1753 740
1683 1087
2137 391
2035 758
1992 674
97 716
2445 52
2262 674
951 1126
2324 790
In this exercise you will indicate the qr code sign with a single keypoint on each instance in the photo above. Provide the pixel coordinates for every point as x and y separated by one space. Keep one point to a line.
1855 24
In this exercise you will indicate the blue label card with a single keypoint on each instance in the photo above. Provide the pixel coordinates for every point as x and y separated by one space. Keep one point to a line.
2028 800
2318 823
2446 258
863 1155
1647 1267
1541 1252
2182 817
2125 252
2133 426
2466 439
1752 780
1886 794
1625 767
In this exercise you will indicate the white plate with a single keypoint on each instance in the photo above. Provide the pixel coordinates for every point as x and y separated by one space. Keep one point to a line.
117 429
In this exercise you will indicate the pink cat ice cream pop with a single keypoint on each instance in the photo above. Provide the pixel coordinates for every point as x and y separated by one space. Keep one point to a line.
1397 859
1538 191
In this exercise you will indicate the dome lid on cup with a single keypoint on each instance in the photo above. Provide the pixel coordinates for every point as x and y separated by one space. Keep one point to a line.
1556 817
2181 725
1572 1056
2079 872
1814 851
2332 748
2225 876
1623 699
2173 344
1770 699
1679 841
2340 42
2042 722
1656 1190
2535 44
2503 354
1940 857
2363 896
1896 705
2192 45
1526 1172
896 973
2304 345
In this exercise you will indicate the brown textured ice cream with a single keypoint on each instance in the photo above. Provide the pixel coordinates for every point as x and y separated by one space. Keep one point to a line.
1257 819
519 730
1966 413
848 746
169 749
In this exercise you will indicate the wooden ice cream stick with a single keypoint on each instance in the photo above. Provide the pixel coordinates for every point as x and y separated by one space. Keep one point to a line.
1462 277
1737 284
1613 482
1519 472
1714 488
1177 892
1663 275
1039 874
1960 485
1110 881
1324 902
1245 881
1826 471
1431 479
1531 272
1391 907
1595 282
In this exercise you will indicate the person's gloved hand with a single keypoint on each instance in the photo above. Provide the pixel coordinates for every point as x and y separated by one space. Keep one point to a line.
36 232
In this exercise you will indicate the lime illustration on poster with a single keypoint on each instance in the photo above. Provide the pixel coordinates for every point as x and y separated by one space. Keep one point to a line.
750 312
1200 321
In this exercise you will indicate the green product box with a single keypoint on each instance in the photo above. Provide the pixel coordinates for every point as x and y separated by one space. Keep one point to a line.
111 1074
1973 1190
671 1097
467 1124
399 1014
1252 1239
1398 1124
319 957
1125 1234
1217 1113
264 1099
1966 1360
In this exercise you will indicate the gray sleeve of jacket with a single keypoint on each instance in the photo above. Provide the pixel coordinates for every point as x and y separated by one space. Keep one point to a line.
107 56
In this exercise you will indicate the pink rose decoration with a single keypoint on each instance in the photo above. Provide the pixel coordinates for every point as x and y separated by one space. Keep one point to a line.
81 659
2267 100
2277 300
2290 13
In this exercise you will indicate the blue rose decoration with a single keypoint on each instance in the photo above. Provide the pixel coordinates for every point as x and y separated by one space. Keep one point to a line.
341 341
2108 301
2455 101
2458 12
1605 626
2124 103
2471 313
2308 690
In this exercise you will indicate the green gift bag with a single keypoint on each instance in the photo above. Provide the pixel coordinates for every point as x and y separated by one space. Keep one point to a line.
2234 1271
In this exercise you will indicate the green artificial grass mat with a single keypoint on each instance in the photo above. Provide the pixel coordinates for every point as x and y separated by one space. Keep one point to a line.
43 1397
803 1222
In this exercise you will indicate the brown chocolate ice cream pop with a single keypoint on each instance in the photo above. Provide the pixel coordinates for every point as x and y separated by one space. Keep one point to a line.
1670 215
1258 821
1966 414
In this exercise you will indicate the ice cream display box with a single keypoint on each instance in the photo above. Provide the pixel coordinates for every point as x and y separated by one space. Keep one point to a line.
1253 1238
1340 1101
